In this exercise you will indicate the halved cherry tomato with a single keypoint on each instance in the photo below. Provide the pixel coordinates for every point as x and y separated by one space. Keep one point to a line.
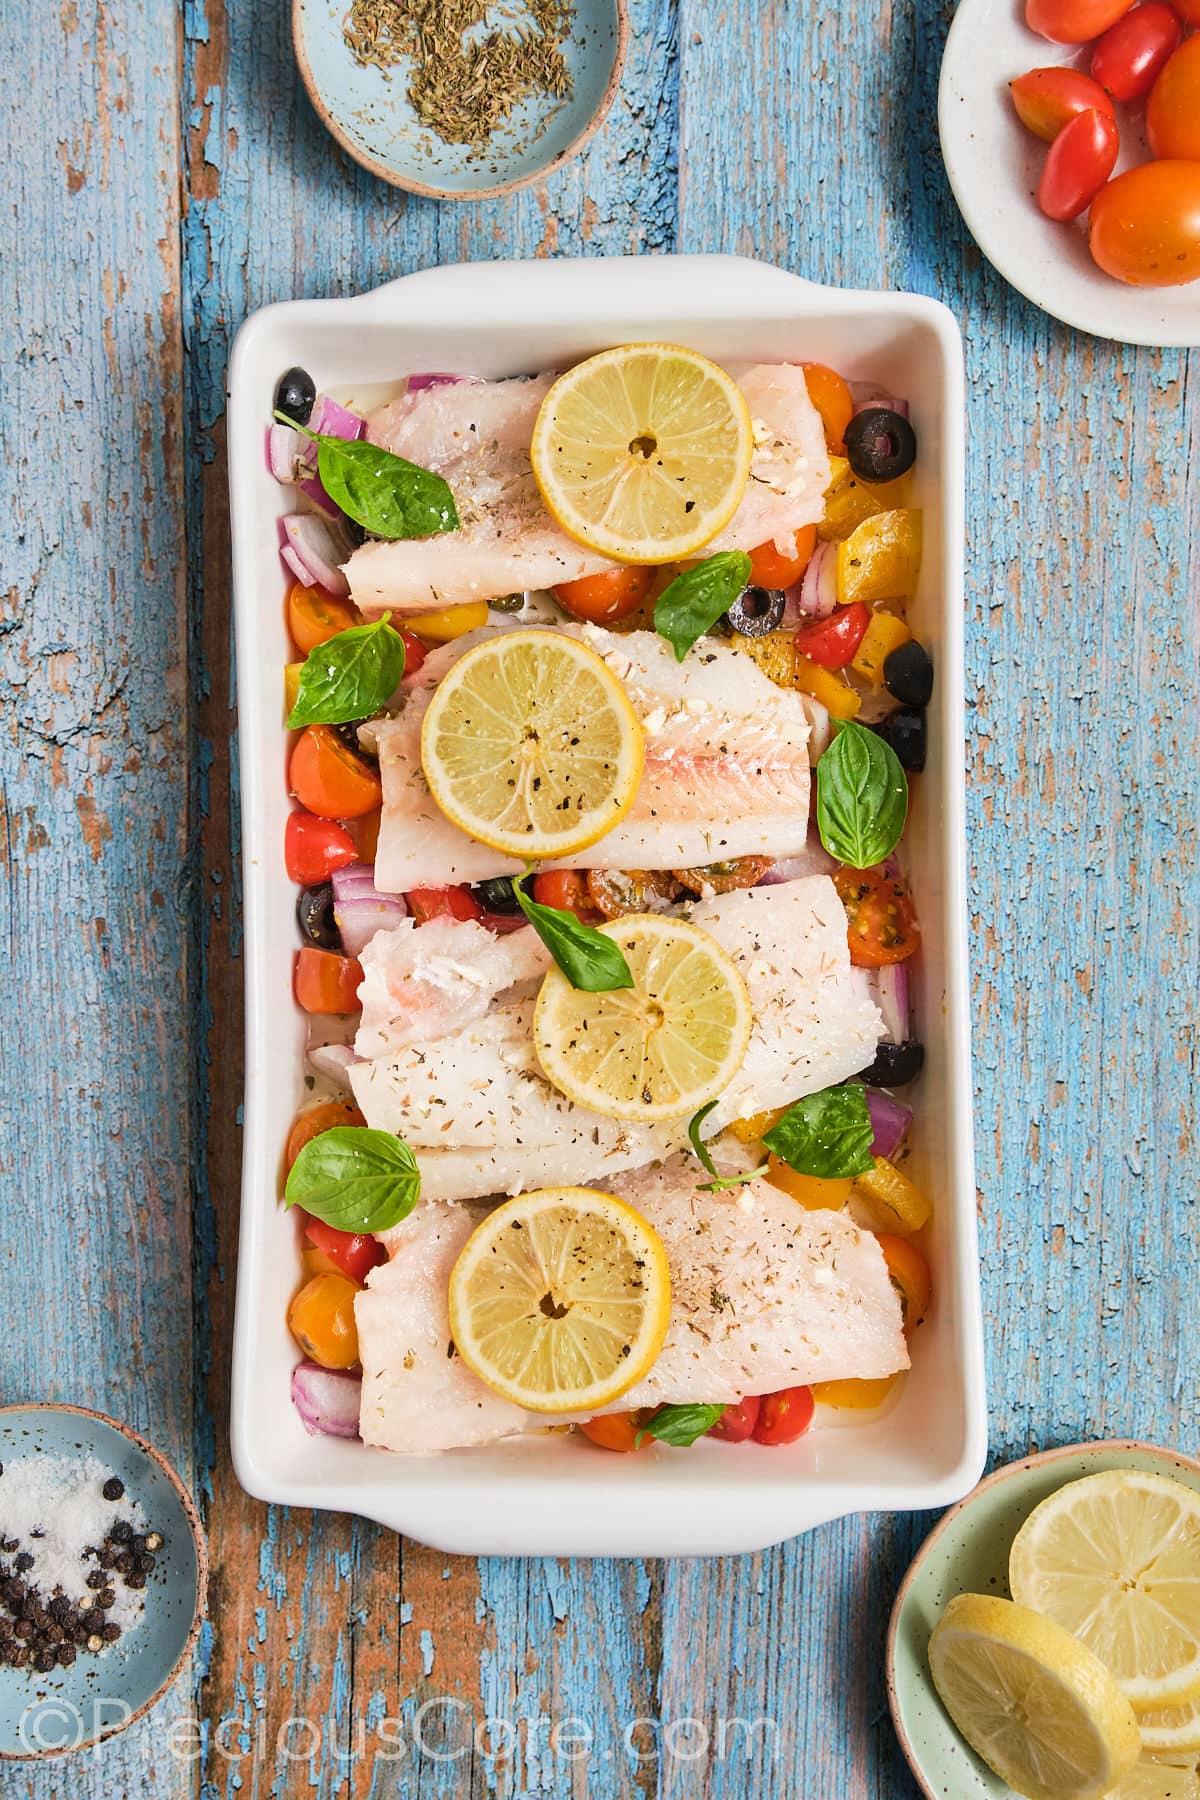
313 848
1048 99
910 1275
783 1417
366 835
737 1423
354 1253
881 921
1129 57
613 594
771 567
1173 109
1144 226
832 642
1188 10
414 651
326 982
832 398
321 1319
442 903
315 1120
816 1192
326 776
1078 163
568 890
313 616
618 1431
1073 21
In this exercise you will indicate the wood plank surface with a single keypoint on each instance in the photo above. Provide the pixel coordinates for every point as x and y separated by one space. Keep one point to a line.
174 178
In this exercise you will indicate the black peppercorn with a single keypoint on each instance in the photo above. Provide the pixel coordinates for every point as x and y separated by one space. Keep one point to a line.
22 1562
106 1597
97 1579
135 1579
114 1488
110 1633
121 1532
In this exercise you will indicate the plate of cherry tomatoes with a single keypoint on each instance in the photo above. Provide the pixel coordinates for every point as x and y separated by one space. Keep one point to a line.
1070 131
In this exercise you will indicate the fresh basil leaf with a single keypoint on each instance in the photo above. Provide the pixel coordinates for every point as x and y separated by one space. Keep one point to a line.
827 1134
695 600
862 797
350 676
355 1179
697 1142
732 1181
680 1426
386 494
589 960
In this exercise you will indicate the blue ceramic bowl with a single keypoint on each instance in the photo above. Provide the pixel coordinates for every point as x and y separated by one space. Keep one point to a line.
368 112
49 1715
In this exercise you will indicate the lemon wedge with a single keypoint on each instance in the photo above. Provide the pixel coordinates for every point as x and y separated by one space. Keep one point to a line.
530 744
643 453
1171 1728
1115 1558
560 1299
1159 1778
659 1049
1031 1700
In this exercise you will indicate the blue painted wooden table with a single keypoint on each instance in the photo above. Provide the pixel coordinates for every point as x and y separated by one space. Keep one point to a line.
168 178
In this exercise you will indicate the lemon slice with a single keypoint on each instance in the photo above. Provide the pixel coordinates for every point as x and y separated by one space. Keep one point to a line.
660 1049
1115 1558
1169 1728
1159 1778
560 1299
530 744
643 453
1031 1700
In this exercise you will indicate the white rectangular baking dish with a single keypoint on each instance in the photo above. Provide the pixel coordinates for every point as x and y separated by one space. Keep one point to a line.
553 1496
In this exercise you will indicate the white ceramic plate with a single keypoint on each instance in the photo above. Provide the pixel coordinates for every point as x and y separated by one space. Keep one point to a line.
554 1495
994 165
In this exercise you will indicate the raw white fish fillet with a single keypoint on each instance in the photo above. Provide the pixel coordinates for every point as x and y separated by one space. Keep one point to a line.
477 436
764 1297
483 1119
422 982
726 775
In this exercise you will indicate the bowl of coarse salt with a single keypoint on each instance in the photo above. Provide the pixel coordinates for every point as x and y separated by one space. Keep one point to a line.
103 1578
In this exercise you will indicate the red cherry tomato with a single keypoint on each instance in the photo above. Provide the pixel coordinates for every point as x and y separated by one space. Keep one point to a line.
414 652
1144 226
1078 163
881 920
326 982
737 1423
313 848
568 890
832 642
329 778
1173 109
1128 58
771 567
442 903
352 1252
1073 21
614 594
785 1416
1048 99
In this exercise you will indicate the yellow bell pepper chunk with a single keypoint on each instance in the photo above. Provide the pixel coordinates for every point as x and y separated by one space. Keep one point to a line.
813 1191
901 1198
750 1131
849 500
450 623
884 634
881 558
775 654
835 695
291 687
854 1394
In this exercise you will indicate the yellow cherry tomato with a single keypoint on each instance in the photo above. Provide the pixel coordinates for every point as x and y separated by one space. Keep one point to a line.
812 1191
321 1319
854 1396
450 623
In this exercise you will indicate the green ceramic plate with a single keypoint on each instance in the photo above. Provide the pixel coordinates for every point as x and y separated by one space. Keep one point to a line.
968 1553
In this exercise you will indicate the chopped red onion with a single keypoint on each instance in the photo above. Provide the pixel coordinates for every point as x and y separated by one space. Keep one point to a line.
889 987
814 859
818 590
314 489
285 451
359 909
418 383
866 394
331 420
327 1400
890 1120
317 549
356 881
334 1061
793 608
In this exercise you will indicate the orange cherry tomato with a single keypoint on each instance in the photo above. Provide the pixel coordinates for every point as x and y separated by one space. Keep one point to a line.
910 1276
881 921
366 833
329 779
442 903
771 567
783 1417
1073 21
313 616
618 1431
831 396
1173 109
1048 99
321 1319
354 1253
1078 163
568 890
1128 59
313 848
613 594
1144 226
325 982
315 1120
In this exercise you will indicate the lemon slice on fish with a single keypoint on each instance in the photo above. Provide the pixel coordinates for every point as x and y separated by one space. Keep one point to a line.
1031 1700
659 1049
643 452
530 744
1115 1558
560 1299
